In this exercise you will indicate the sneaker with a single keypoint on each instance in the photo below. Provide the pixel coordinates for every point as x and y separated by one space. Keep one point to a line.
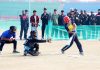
81 53
20 38
25 38
42 39
36 54
62 51
16 52
0 52
25 53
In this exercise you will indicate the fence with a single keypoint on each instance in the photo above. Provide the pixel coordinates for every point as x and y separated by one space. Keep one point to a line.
85 32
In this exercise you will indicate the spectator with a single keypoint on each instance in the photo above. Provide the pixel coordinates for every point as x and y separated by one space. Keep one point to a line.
34 19
81 18
98 17
69 13
54 21
45 19
86 18
92 18
49 27
72 16
76 17
55 17
60 18
24 24
76 12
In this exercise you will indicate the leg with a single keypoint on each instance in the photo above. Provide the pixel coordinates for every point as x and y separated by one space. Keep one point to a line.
78 44
36 46
34 50
25 32
21 32
68 46
26 50
36 33
43 29
14 45
52 31
47 31
1 45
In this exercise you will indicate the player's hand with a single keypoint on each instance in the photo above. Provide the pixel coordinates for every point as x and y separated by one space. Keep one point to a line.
11 39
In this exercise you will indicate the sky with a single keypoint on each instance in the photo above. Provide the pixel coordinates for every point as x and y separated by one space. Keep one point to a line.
57 0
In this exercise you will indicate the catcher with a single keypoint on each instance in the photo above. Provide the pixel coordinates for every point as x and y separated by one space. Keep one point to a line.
31 45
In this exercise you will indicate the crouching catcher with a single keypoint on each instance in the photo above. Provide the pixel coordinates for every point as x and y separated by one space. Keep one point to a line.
31 45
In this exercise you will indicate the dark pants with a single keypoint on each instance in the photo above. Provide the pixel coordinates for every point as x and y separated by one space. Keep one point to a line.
43 29
25 30
35 48
75 38
3 42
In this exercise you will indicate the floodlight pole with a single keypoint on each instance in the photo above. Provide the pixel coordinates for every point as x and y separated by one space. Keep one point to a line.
29 2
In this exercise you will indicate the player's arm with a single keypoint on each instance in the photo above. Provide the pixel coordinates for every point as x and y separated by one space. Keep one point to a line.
7 39
31 20
40 41
42 16
2 38
74 25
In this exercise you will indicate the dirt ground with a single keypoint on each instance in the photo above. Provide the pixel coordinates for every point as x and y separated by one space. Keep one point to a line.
51 57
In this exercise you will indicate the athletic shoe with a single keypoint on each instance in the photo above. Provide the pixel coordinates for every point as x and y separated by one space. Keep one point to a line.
34 54
25 53
42 39
20 38
16 52
0 52
25 38
62 51
81 53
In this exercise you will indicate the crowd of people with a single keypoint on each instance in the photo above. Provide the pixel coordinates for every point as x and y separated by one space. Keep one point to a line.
82 18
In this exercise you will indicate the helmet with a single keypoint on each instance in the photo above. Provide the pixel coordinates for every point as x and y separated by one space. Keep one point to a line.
66 19
33 33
